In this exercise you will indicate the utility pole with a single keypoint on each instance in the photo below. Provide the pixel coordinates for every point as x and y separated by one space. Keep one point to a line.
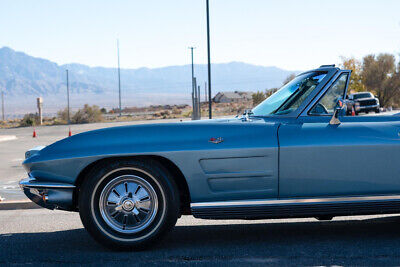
69 118
2 105
119 81
205 92
209 63
199 103
40 109
194 91
191 50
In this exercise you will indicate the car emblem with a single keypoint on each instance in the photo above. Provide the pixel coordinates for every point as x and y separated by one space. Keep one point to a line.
216 140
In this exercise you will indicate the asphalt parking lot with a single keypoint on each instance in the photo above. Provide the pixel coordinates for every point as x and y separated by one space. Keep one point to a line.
46 237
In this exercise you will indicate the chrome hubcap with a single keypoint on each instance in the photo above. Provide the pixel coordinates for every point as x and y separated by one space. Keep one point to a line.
128 204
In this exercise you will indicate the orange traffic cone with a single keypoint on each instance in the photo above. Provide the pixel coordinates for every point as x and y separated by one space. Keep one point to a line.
34 133
353 112
69 132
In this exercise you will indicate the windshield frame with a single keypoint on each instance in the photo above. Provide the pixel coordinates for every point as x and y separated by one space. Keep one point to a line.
313 102
329 73
325 91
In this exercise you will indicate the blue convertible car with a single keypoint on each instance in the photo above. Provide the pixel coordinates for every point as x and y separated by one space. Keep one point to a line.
294 155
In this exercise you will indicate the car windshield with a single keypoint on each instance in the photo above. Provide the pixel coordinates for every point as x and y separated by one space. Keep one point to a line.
290 96
363 95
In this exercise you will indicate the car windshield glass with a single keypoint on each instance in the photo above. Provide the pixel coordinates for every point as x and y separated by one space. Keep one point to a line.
363 95
290 96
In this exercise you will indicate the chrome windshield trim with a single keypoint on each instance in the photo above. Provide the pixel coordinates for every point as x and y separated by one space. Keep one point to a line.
32 183
330 72
291 201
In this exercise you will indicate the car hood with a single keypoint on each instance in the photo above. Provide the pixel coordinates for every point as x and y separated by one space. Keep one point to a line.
147 138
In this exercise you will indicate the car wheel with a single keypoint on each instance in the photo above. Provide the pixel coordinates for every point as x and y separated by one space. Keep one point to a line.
366 112
377 110
128 204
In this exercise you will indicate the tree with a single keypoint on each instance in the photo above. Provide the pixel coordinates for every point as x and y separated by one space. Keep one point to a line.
356 83
289 78
380 75
87 114
258 98
392 88
63 115
29 120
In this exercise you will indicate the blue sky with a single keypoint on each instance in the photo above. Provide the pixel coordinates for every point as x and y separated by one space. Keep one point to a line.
294 35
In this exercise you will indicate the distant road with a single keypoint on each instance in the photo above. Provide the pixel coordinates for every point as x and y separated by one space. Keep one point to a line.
387 113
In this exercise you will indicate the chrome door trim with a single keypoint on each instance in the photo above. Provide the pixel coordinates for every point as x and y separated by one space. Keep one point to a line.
257 202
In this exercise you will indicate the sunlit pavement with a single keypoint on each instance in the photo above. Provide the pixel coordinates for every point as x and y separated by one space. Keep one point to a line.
57 237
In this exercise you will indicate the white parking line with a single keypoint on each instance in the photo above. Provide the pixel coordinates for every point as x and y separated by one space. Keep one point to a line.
9 187
4 138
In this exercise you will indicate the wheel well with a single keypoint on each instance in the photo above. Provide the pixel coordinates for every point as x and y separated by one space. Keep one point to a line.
176 173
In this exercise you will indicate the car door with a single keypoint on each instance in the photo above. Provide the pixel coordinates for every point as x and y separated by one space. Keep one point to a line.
360 156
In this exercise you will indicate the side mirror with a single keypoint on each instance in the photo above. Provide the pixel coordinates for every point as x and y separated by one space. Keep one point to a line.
339 109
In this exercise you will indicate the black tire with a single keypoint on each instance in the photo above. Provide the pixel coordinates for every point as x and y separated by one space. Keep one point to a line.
377 110
92 213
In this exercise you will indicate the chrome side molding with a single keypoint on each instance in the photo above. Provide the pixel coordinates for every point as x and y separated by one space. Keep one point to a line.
258 202
33 183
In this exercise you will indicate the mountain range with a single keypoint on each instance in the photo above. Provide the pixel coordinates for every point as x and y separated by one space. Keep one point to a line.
23 78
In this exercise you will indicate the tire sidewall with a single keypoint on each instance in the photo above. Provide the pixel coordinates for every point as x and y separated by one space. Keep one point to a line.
153 173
